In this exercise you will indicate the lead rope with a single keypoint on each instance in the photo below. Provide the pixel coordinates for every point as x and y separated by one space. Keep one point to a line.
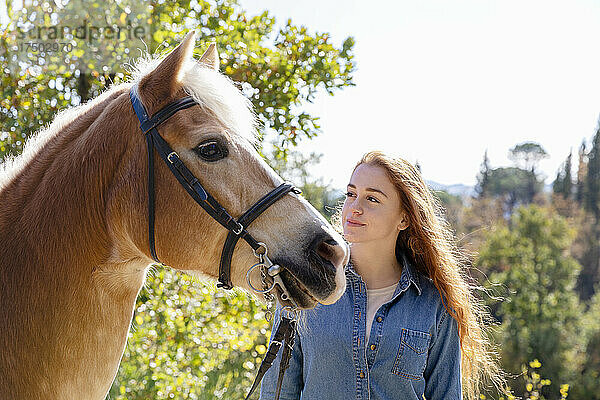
284 337
288 346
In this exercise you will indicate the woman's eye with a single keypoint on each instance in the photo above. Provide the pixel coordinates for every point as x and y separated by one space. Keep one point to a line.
211 151
349 194
372 199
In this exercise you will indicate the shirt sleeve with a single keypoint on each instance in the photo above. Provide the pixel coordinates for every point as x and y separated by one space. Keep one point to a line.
293 382
442 372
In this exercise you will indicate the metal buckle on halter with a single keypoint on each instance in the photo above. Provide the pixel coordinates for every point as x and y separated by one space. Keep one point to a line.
238 229
262 253
170 155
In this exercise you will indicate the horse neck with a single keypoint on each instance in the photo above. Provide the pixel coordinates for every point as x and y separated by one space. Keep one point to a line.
56 240
55 206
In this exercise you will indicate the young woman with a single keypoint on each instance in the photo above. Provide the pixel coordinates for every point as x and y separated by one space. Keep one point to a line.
408 326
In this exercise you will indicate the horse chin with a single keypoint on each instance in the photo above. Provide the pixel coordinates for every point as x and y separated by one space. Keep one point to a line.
301 295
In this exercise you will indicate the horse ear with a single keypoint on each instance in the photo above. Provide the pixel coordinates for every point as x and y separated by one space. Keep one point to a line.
165 80
211 57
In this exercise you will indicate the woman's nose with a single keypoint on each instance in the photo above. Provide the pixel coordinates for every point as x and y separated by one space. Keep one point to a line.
356 208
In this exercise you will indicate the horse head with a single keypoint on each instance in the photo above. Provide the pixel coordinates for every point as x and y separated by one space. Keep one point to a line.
216 142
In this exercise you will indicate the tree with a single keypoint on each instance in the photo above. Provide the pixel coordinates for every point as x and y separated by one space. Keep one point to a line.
568 180
541 315
479 217
563 184
483 178
591 253
581 175
281 70
588 386
557 185
586 250
528 154
453 208
592 182
513 185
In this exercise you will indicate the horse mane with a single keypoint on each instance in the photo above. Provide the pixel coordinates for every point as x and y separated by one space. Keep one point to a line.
214 92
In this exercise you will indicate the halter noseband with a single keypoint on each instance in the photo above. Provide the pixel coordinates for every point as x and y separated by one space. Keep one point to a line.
237 229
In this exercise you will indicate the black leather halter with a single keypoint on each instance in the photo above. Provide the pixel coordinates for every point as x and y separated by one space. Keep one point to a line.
237 229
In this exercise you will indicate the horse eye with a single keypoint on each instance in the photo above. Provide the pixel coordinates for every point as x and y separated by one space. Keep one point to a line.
211 150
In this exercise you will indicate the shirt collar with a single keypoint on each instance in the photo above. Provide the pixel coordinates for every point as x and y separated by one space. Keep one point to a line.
409 275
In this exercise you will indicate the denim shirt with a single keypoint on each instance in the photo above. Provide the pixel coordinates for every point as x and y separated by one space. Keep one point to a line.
413 351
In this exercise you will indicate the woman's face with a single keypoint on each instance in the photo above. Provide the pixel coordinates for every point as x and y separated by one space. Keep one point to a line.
372 210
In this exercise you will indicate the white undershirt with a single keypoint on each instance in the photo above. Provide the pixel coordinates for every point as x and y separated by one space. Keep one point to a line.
375 299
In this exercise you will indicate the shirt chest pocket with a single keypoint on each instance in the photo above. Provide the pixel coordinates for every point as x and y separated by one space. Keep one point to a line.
412 354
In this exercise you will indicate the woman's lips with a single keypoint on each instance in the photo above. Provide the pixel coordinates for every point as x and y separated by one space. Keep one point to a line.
350 222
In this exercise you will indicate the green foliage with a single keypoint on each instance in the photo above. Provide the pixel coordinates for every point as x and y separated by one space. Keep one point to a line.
27 103
581 174
481 188
295 168
190 340
528 154
588 383
453 207
514 185
534 384
281 69
563 184
592 182
541 317
37 84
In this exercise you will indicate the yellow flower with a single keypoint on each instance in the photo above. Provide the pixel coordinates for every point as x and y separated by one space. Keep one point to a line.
529 387
535 363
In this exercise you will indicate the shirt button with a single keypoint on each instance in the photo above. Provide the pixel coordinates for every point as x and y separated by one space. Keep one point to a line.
373 347
362 375
379 319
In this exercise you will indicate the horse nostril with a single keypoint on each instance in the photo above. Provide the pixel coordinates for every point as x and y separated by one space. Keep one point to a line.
330 250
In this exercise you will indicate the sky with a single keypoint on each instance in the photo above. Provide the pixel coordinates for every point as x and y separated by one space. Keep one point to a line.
441 82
